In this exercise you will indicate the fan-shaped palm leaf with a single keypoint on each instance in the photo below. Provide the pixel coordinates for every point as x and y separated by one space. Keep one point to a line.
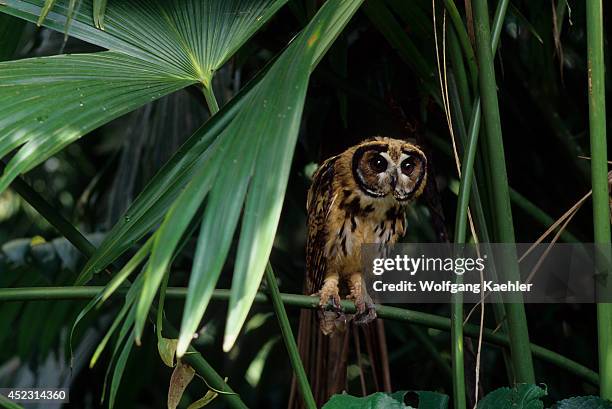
160 46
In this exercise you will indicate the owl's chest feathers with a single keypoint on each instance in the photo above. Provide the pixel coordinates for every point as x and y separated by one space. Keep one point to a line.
355 220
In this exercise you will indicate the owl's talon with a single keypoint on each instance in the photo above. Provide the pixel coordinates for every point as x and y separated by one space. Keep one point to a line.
366 312
332 304
330 297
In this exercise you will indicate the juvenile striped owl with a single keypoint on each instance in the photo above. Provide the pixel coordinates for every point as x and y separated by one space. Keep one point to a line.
357 197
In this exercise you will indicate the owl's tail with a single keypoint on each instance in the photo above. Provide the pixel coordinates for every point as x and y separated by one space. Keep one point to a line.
326 359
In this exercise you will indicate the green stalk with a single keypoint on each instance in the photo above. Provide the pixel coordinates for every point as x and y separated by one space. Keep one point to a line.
467 175
458 367
460 76
304 301
599 178
211 101
462 36
504 230
294 354
51 215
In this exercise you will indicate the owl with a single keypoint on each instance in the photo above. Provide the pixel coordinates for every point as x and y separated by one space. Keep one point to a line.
357 197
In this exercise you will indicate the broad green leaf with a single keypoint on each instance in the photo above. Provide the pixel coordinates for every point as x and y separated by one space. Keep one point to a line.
162 46
583 402
153 202
396 400
265 130
522 396
279 136
47 103
194 36
171 230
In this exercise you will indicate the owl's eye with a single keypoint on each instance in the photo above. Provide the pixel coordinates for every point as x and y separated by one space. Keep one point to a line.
378 163
408 166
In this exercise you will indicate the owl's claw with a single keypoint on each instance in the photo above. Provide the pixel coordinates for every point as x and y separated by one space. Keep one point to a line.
330 298
366 312
331 303
331 314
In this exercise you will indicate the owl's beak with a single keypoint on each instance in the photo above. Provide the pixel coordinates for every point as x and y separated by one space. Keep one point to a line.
393 181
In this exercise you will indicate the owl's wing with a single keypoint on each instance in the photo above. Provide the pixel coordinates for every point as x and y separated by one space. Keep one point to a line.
320 199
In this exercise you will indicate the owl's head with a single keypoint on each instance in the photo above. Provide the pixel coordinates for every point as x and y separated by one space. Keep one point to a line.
385 166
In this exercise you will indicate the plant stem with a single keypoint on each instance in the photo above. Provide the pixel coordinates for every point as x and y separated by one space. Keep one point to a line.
211 101
599 178
467 175
294 354
50 214
504 230
304 301
461 35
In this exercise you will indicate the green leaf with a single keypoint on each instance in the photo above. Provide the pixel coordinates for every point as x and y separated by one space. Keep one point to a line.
47 103
583 402
523 396
171 230
177 34
99 10
163 46
119 368
203 401
108 290
153 202
270 118
279 136
125 317
167 348
383 400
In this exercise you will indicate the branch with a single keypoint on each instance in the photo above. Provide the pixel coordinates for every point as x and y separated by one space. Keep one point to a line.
304 301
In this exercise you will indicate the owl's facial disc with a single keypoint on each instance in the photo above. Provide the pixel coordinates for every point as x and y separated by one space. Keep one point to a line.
411 174
371 165
380 172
